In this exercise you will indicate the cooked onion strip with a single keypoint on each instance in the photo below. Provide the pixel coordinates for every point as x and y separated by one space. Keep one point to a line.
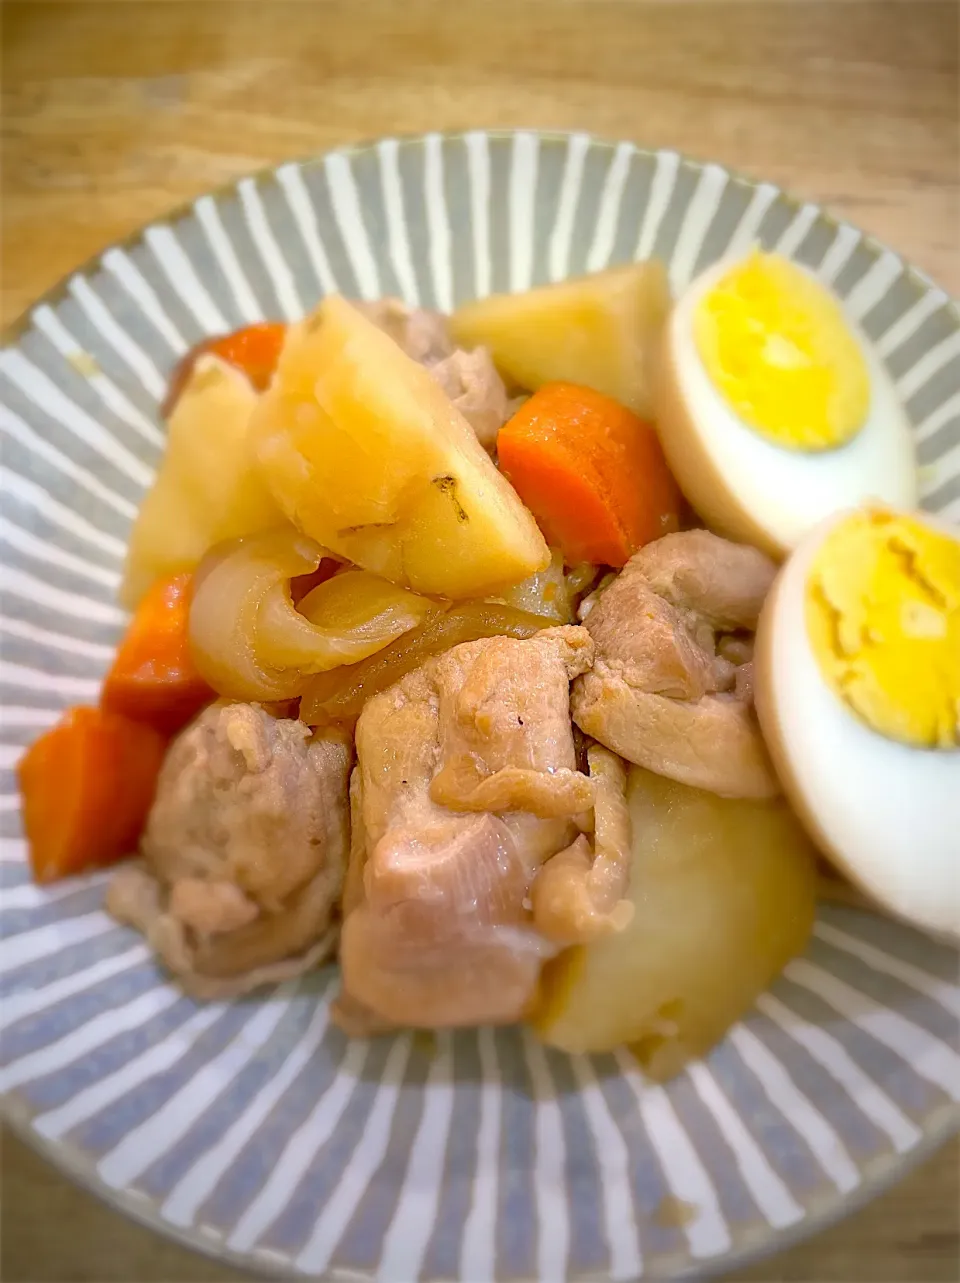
249 640
339 696
552 592
341 621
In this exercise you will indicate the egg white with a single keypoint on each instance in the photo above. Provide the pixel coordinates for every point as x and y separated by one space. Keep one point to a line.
888 815
747 488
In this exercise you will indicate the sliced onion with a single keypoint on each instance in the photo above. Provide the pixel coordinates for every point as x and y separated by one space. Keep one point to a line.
249 640
553 592
342 621
231 585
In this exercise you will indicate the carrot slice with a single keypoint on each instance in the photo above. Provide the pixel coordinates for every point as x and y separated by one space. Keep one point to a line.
591 472
153 678
86 788
255 350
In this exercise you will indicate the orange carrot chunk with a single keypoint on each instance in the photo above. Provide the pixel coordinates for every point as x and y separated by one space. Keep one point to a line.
86 787
591 472
255 350
153 678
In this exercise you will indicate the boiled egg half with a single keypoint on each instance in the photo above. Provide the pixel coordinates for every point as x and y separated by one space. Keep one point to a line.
857 686
773 409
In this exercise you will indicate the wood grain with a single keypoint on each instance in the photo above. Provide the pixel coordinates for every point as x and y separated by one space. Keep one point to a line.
114 112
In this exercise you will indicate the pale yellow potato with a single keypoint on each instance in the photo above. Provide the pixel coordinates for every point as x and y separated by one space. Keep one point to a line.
365 454
208 486
600 331
723 893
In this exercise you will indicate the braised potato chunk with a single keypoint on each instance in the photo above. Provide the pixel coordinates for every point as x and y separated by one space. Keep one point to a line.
366 454
723 893
207 488
599 331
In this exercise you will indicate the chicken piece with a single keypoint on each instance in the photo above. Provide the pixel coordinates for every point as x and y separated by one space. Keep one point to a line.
243 853
424 335
353 882
505 737
443 934
707 579
578 895
469 379
662 693
247 798
275 948
427 945
712 743
211 908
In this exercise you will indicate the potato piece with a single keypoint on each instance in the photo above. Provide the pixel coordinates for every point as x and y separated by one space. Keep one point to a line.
365 454
208 487
723 893
598 331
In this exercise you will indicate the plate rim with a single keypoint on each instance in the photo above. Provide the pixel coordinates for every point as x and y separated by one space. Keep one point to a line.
144 1210
877 1176
14 329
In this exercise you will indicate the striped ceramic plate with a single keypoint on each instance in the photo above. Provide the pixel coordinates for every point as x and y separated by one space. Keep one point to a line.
253 1129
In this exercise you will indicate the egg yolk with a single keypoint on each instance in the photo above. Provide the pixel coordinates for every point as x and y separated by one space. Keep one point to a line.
883 616
776 345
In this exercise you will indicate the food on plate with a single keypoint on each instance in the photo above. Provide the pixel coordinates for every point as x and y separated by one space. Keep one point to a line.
858 691
591 472
244 852
249 641
671 688
469 378
505 737
255 350
366 455
553 593
578 896
723 896
208 487
883 613
599 331
421 333
773 409
363 539
339 695
471 382
153 677
440 931
85 788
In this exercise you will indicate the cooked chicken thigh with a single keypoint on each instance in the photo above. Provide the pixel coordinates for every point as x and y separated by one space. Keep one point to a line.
579 895
662 692
471 381
440 929
506 742
244 851
423 334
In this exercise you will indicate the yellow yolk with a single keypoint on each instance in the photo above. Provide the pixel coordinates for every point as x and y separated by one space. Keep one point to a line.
775 344
883 617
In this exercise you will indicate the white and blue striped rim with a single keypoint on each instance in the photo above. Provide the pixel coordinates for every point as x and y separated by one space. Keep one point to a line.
253 1130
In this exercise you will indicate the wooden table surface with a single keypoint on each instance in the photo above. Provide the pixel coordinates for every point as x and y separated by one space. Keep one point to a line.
114 112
